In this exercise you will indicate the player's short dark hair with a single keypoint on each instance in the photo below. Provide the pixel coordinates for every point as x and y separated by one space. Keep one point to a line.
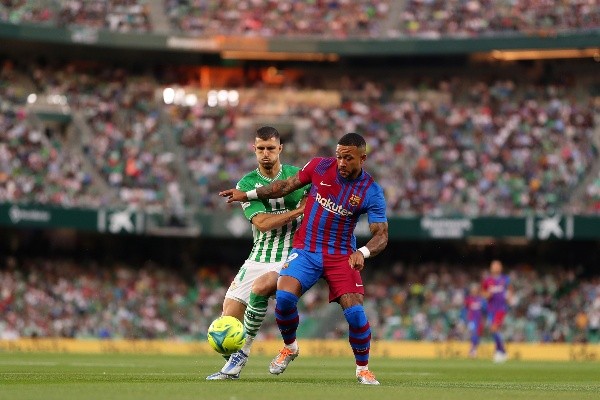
267 132
352 139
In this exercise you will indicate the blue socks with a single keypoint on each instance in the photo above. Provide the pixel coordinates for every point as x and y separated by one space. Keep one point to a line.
286 315
359 333
499 343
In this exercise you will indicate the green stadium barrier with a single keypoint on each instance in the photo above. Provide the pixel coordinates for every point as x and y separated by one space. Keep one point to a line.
230 225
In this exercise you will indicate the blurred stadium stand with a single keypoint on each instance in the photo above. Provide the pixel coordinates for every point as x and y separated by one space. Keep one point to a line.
127 116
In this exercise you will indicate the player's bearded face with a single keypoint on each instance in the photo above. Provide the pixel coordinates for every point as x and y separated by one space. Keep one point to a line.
267 152
349 160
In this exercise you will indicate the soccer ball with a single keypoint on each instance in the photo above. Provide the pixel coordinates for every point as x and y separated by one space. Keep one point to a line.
226 335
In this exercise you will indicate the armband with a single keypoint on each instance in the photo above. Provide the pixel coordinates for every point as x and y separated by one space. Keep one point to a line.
366 253
252 195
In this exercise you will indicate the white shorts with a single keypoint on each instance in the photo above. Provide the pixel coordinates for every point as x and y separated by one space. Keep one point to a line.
241 286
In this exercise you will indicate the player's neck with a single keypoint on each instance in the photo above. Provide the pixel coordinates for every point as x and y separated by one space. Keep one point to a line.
270 173
355 175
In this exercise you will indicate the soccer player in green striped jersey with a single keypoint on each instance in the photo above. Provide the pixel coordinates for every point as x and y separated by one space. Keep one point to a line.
274 222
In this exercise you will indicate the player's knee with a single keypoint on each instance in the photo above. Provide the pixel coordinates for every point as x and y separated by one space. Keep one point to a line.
350 300
286 300
265 285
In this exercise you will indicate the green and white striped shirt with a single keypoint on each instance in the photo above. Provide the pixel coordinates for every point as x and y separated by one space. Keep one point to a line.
272 246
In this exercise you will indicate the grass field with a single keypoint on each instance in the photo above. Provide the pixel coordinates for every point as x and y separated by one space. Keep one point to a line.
149 377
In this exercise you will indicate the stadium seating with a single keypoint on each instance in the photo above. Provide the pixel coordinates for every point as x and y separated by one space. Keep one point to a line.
454 146
335 19
435 19
330 19
114 15
36 168
417 302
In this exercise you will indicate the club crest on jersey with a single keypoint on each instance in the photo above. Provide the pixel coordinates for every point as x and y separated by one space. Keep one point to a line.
354 200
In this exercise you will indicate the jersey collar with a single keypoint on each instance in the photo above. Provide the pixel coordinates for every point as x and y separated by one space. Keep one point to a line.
266 177
362 171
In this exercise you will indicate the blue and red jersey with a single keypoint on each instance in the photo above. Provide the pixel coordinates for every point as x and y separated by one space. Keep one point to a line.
475 306
333 207
496 287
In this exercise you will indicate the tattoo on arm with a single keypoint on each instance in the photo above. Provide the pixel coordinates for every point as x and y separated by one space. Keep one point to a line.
379 230
279 188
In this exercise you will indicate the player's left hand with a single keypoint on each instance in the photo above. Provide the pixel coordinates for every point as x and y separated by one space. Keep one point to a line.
233 195
357 260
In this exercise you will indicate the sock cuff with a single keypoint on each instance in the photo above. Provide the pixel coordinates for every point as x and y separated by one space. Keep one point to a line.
257 299
354 309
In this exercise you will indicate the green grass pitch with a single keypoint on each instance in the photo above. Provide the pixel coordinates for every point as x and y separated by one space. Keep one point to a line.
148 377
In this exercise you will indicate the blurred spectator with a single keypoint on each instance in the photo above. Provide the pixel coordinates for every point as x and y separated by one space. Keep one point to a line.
418 302
115 15
338 19
332 19
434 19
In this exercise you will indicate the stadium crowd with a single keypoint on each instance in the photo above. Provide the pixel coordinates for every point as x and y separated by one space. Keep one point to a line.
434 19
34 167
126 145
333 19
459 146
453 145
115 15
64 298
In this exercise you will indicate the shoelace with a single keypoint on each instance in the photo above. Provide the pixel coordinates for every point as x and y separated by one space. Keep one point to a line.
367 374
283 354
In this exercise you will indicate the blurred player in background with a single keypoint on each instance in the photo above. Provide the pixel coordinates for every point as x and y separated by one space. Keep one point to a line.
274 223
495 289
475 305
325 246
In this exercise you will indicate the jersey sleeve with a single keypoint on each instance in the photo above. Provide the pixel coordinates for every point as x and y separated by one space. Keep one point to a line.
252 207
376 209
306 173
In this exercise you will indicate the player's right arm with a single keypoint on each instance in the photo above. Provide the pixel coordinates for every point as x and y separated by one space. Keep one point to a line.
274 190
266 222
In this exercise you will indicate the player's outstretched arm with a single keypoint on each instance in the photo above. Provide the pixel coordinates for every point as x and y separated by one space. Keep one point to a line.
265 222
379 230
276 189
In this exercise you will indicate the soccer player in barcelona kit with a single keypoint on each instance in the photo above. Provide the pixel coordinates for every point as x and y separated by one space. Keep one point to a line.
325 245
274 223
495 289
475 306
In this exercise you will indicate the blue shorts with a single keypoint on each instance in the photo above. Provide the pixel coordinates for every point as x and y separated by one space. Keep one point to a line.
305 266
308 267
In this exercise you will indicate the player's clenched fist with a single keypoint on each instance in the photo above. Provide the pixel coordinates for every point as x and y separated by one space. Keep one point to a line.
234 195
357 260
